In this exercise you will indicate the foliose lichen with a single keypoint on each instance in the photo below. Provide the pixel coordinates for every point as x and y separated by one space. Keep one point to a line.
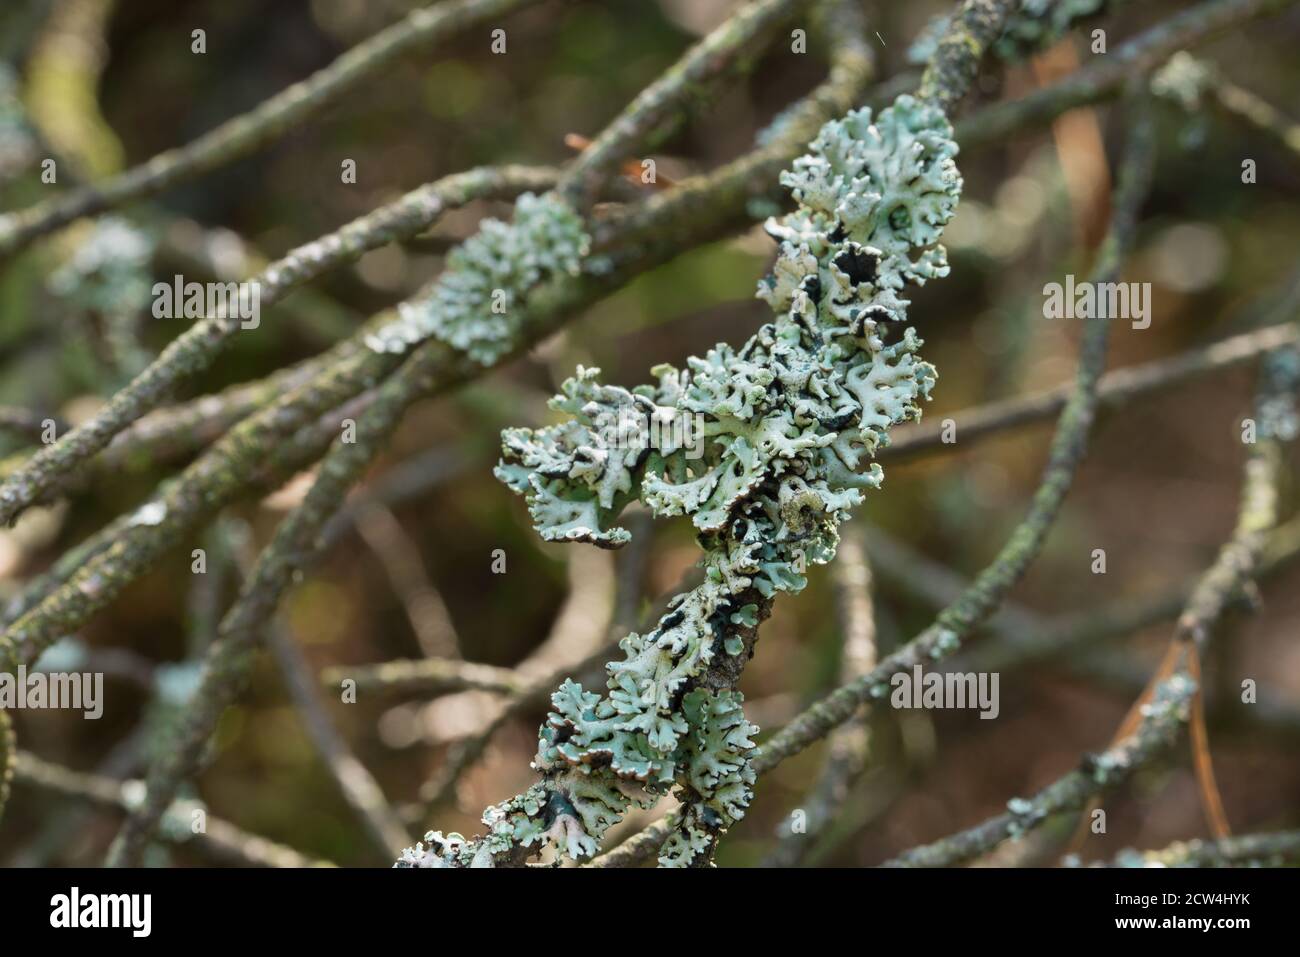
475 304
790 421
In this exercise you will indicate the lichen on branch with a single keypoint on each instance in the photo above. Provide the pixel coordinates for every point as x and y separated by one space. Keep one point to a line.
474 303
787 425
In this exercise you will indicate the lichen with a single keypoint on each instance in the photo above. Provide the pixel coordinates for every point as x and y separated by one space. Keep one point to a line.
1183 79
108 270
791 420
476 304
107 275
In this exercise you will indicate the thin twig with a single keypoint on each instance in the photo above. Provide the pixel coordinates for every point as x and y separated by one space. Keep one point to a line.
357 784
847 746
428 677
743 34
268 121
425 609
1116 389
217 836
28 424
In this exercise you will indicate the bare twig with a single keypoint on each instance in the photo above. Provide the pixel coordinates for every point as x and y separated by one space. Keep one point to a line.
400 558
358 785
425 676
847 745
740 35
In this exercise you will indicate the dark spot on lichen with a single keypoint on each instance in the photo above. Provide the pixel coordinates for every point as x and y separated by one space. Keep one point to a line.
858 263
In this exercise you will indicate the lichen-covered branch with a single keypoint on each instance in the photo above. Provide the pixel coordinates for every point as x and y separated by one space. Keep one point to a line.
1110 73
1172 699
227 662
1190 83
269 120
956 621
785 422
1104 772
1033 26
1278 849
88 577
966 39
944 636
116 557
196 348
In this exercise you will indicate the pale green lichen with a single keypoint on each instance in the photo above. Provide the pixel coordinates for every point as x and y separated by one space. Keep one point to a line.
476 304
1183 79
108 270
790 419
107 277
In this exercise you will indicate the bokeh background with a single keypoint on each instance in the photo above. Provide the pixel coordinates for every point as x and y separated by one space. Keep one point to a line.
1157 491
